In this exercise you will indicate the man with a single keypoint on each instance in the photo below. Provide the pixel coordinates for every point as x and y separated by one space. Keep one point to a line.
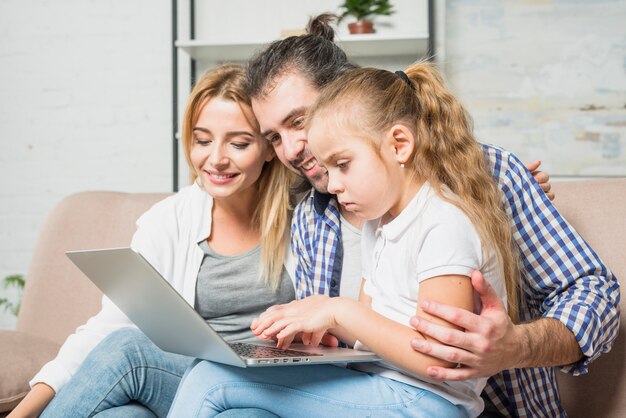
569 299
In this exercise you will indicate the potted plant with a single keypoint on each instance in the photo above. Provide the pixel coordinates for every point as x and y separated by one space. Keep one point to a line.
361 10
16 281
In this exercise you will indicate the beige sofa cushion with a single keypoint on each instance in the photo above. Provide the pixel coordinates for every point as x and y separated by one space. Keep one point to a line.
58 297
21 356
597 209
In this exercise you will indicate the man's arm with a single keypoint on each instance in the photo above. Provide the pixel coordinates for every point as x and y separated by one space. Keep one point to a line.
491 342
570 299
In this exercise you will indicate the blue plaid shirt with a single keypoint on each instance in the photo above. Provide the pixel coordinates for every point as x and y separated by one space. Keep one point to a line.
562 278
316 243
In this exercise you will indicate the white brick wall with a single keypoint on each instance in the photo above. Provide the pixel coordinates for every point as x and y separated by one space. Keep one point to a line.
85 95
544 79
85 104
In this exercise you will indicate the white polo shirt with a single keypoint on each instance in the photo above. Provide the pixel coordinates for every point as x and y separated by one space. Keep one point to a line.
430 237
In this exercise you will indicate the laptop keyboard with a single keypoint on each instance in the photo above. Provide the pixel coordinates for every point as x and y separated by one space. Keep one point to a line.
258 351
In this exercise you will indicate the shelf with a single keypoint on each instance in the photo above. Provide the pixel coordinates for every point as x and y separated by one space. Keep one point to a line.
373 45
383 45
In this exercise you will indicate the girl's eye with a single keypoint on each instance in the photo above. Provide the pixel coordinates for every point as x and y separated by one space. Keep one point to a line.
240 145
342 165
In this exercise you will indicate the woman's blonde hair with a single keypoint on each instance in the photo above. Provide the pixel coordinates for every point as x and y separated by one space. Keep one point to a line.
446 152
227 82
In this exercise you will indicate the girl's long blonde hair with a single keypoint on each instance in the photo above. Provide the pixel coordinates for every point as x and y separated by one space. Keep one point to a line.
272 215
446 152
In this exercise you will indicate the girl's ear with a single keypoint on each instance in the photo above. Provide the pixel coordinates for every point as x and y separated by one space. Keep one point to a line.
403 142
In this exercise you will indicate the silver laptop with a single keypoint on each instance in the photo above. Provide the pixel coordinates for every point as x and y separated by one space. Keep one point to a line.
173 325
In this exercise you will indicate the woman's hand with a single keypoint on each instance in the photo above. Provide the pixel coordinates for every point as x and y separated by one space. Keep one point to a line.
34 403
312 317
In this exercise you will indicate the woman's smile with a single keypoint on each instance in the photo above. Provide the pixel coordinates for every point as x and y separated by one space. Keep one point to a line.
219 178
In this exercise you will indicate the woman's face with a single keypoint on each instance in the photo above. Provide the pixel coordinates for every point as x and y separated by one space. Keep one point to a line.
227 153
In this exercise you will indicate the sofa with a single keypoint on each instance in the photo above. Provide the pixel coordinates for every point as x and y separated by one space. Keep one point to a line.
58 297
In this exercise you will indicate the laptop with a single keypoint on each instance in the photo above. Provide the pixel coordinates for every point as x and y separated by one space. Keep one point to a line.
151 302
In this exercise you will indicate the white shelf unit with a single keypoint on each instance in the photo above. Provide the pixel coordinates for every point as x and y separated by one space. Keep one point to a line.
371 45
403 38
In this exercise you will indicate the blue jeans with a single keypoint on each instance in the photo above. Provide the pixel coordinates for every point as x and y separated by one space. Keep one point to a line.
312 391
126 375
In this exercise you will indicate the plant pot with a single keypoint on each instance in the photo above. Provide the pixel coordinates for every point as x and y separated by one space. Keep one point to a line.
361 26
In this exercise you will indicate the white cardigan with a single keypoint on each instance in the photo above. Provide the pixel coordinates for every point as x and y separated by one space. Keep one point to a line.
167 236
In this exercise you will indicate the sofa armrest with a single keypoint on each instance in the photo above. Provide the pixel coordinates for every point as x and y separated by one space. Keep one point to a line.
21 357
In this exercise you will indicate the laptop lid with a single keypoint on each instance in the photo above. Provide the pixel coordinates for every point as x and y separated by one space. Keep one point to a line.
169 321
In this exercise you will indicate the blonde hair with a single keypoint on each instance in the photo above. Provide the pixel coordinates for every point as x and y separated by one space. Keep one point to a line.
272 214
446 152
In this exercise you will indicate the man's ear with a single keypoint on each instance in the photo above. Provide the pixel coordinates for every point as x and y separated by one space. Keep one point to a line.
402 141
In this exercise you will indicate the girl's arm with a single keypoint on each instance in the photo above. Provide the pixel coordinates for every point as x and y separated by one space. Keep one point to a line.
341 333
387 338
293 309
364 298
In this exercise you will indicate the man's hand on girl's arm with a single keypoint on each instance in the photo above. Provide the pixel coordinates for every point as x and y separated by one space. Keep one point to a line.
491 342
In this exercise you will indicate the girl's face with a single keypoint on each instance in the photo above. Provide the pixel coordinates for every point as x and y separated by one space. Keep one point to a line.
368 183
226 151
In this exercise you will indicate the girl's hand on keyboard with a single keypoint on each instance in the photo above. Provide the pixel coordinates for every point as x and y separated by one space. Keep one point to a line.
312 317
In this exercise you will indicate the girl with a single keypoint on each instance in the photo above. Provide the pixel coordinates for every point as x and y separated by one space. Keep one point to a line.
208 240
400 154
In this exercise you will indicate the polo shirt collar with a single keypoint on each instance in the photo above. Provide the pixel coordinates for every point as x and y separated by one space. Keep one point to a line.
396 227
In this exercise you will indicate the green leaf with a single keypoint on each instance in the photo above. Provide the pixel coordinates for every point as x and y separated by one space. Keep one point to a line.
361 9
16 281
7 305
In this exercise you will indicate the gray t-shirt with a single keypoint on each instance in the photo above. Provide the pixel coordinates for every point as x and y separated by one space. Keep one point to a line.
230 294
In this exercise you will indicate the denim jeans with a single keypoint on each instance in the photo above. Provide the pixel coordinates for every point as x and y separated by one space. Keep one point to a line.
293 391
125 375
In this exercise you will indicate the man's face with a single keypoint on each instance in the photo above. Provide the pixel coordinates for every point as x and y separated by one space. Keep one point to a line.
281 115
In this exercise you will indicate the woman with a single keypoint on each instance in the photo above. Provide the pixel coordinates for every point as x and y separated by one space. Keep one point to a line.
227 230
